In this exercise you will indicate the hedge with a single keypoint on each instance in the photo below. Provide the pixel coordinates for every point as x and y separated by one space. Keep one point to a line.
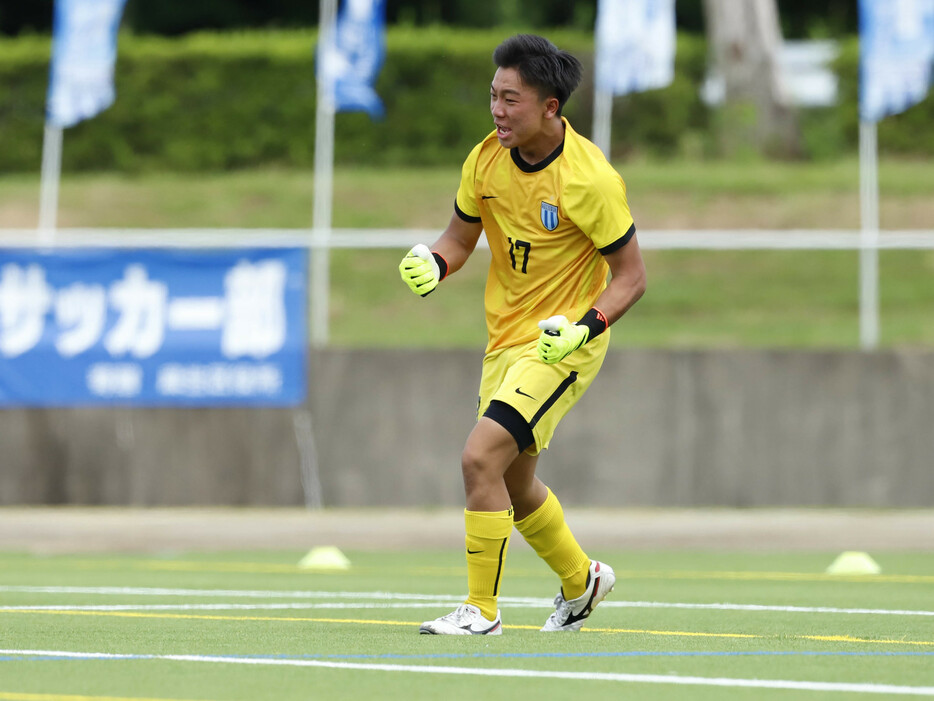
213 101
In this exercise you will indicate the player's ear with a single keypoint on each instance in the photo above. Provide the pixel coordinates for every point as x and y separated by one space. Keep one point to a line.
551 107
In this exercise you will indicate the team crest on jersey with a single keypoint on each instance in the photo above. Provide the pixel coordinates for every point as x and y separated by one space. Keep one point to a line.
549 216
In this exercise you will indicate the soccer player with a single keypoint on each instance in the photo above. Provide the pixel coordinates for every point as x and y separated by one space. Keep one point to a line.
558 224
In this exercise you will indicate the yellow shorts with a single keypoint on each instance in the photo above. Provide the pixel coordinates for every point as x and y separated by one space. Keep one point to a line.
541 393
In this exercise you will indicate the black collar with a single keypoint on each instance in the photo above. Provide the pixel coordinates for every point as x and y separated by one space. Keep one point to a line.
541 165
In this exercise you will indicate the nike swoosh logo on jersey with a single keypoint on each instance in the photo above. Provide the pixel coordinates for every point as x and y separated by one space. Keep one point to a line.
519 391
473 552
489 197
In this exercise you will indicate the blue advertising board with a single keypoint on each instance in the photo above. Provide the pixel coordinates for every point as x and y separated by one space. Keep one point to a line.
153 327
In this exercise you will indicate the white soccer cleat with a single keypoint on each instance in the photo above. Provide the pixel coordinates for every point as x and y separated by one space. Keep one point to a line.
465 620
570 615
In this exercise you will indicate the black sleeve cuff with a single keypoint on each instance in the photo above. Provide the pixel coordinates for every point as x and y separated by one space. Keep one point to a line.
465 217
618 243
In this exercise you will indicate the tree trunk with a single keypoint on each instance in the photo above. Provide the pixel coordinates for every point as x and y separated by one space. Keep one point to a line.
745 42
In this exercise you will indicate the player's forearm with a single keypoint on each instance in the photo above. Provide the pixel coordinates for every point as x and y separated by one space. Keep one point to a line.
627 281
457 243
560 337
622 292
453 253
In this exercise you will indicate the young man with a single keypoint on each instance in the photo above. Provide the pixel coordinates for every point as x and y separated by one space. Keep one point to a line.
557 222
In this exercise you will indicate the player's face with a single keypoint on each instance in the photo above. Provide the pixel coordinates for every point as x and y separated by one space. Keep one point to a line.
518 111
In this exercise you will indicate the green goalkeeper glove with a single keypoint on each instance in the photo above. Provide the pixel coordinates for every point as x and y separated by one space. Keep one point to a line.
420 270
560 338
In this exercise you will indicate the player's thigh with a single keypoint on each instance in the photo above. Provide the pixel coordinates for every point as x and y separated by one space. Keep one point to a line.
542 393
495 366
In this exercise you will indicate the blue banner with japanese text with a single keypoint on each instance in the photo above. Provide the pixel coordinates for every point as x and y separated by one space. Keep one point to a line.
153 327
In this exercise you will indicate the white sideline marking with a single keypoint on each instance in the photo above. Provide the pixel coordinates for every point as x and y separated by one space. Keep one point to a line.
762 607
250 594
382 600
505 604
221 607
537 674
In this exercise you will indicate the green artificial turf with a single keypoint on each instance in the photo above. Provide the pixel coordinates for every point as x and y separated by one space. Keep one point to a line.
367 617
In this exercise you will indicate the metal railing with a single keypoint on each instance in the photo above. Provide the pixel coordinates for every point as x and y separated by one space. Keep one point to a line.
403 239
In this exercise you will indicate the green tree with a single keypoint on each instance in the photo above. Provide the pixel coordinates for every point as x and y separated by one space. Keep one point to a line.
745 40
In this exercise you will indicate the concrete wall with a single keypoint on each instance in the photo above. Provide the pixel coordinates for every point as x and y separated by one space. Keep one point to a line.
670 428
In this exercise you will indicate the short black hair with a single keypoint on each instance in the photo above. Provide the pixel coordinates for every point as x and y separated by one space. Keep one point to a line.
541 65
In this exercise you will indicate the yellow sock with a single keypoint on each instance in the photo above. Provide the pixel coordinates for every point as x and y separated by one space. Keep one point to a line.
548 534
487 541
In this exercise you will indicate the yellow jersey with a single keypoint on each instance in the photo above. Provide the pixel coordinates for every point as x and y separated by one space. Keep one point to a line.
548 226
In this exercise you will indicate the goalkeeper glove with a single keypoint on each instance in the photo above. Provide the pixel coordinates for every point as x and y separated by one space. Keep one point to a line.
560 338
420 270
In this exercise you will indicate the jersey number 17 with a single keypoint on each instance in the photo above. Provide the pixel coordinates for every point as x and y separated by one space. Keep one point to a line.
526 248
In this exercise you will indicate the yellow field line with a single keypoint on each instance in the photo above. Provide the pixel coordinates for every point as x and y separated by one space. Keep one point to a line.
779 576
205 617
187 566
458 571
13 696
369 621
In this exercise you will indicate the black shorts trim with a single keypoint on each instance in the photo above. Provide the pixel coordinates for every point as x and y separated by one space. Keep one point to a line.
562 388
509 418
620 242
466 217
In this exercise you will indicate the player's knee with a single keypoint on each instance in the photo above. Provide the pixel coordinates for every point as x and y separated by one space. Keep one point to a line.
474 464
479 467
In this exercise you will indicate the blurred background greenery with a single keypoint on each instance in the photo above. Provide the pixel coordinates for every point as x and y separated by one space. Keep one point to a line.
217 100
213 126
799 18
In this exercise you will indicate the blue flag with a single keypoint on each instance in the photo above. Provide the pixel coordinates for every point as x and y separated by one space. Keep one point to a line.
356 55
896 54
84 49
635 45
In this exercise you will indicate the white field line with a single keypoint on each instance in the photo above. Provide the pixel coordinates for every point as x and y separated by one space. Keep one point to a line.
249 594
383 600
231 607
765 607
507 604
851 688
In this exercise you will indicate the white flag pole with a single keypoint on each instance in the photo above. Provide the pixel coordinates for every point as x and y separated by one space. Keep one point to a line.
81 84
323 177
602 114
49 183
634 42
869 236
602 98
